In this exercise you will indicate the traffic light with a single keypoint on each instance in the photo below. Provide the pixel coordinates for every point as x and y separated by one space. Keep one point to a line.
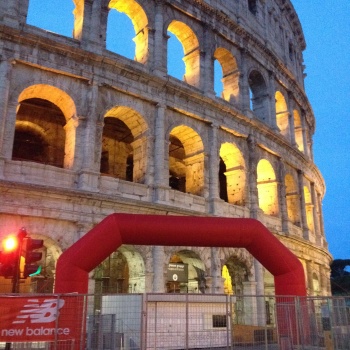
31 256
9 256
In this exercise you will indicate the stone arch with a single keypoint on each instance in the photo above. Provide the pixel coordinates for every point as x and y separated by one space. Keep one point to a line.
267 188
58 113
309 208
191 49
258 95
282 114
121 272
238 272
186 160
292 199
230 74
298 131
124 144
196 272
232 168
138 17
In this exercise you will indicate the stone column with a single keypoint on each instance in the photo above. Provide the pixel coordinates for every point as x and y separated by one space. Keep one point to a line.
260 291
14 12
89 144
271 118
5 79
159 41
158 269
252 177
207 63
251 314
161 172
282 195
315 214
244 98
217 283
303 220
90 25
213 160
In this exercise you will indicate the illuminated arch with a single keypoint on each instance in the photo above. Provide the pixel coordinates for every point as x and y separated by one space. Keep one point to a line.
267 188
309 207
125 272
292 199
298 131
282 115
190 45
37 95
196 272
230 73
138 17
124 132
186 159
234 173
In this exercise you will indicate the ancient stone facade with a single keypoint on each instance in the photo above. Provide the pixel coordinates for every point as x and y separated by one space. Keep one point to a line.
86 132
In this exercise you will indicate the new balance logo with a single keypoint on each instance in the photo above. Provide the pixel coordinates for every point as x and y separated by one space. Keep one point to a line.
35 312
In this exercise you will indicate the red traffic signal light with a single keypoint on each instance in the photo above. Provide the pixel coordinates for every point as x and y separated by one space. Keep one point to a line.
10 244
31 256
9 256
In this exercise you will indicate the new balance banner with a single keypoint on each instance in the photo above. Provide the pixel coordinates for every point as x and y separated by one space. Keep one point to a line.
40 318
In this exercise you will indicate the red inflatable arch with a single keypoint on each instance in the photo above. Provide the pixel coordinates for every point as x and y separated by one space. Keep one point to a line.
95 246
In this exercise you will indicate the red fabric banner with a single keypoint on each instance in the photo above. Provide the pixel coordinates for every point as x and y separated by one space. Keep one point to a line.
41 318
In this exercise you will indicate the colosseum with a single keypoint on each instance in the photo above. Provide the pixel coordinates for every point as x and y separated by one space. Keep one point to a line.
86 132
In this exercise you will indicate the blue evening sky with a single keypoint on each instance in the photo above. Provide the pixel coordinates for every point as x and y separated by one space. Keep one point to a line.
326 26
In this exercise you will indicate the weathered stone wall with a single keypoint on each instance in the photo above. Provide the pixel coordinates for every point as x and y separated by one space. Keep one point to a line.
261 128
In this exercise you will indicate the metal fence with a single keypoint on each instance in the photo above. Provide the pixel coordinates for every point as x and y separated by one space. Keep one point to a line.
182 321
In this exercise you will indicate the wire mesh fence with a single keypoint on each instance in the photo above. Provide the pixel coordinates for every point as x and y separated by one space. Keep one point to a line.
173 321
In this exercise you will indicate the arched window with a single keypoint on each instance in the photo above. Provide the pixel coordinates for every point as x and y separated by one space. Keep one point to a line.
292 199
120 33
232 174
191 276
186 160
230 74
124 145
45 128
298 131
309 206
282 114
267 188
39 134
191 51
54 15
235 272
139 20
122 272
258 95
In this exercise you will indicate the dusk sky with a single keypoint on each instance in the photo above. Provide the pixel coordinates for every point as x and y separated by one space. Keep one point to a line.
326 26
